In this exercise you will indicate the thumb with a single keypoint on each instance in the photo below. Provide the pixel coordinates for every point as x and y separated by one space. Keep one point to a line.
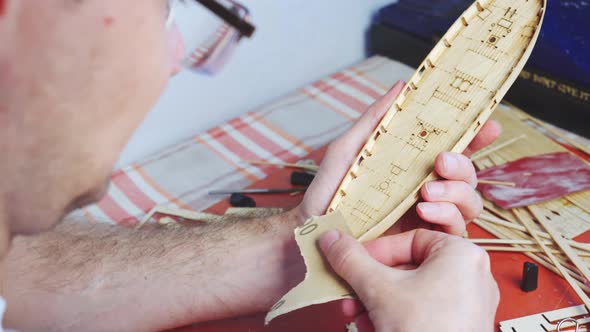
348 258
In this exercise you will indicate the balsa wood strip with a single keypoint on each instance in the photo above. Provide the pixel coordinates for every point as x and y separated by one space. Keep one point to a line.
523 249
526 222
561 242
442 108
504 233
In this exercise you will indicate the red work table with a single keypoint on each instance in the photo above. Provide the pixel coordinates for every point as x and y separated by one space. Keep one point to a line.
553 291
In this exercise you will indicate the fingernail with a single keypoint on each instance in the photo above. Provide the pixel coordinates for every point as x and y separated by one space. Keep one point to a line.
429 208
435 189
449 162
327 239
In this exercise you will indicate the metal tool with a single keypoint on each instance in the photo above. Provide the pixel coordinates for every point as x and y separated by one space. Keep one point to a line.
257 191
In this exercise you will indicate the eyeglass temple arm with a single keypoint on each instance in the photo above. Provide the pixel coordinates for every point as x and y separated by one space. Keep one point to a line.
244 27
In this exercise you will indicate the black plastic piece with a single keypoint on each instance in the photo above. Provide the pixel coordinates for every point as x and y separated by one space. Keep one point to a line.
301 178
239 200
530 277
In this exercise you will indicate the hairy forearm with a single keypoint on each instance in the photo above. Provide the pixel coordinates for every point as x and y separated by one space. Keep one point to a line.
102 277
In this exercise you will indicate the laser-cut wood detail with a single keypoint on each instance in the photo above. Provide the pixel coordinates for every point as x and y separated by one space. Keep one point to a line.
456 87
437 116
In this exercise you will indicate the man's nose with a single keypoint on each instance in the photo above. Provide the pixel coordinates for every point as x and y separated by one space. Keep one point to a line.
176 50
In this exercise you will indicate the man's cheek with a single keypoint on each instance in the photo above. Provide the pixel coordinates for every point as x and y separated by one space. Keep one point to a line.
176 49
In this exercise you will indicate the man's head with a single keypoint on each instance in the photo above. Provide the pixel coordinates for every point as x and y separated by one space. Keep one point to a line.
76 78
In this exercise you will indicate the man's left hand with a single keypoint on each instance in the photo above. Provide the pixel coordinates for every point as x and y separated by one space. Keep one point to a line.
448 203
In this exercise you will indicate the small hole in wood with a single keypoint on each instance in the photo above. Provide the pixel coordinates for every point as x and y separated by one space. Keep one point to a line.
407 91
422 69
361 159
377 134
382 128
353 175
413 86
493 39
555 213
342 193
368 153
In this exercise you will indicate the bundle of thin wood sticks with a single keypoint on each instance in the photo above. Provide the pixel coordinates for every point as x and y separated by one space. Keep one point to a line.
544 232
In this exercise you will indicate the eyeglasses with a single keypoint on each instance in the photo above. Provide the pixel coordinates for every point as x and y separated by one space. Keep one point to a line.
209 39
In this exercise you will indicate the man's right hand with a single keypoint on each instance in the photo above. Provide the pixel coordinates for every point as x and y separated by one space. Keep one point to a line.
416 281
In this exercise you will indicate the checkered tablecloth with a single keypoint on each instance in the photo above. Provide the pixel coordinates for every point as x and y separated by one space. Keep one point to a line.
283 131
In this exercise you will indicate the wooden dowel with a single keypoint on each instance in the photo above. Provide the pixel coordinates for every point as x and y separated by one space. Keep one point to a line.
146 218
515 234
290 165
497 183
498 221
511 249
492 149
499 233
491 207
505 241
526 249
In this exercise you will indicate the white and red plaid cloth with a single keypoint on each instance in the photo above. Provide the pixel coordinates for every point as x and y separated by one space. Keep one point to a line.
283 131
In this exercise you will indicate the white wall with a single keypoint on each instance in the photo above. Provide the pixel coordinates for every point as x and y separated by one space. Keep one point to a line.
296 42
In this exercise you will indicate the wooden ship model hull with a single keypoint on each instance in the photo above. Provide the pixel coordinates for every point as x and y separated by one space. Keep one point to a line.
442 108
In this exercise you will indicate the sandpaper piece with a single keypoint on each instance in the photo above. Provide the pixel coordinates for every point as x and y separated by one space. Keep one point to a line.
538 179
321 284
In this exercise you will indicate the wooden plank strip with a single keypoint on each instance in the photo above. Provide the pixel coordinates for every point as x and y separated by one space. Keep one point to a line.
561 242
539 259
525 249
526 222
